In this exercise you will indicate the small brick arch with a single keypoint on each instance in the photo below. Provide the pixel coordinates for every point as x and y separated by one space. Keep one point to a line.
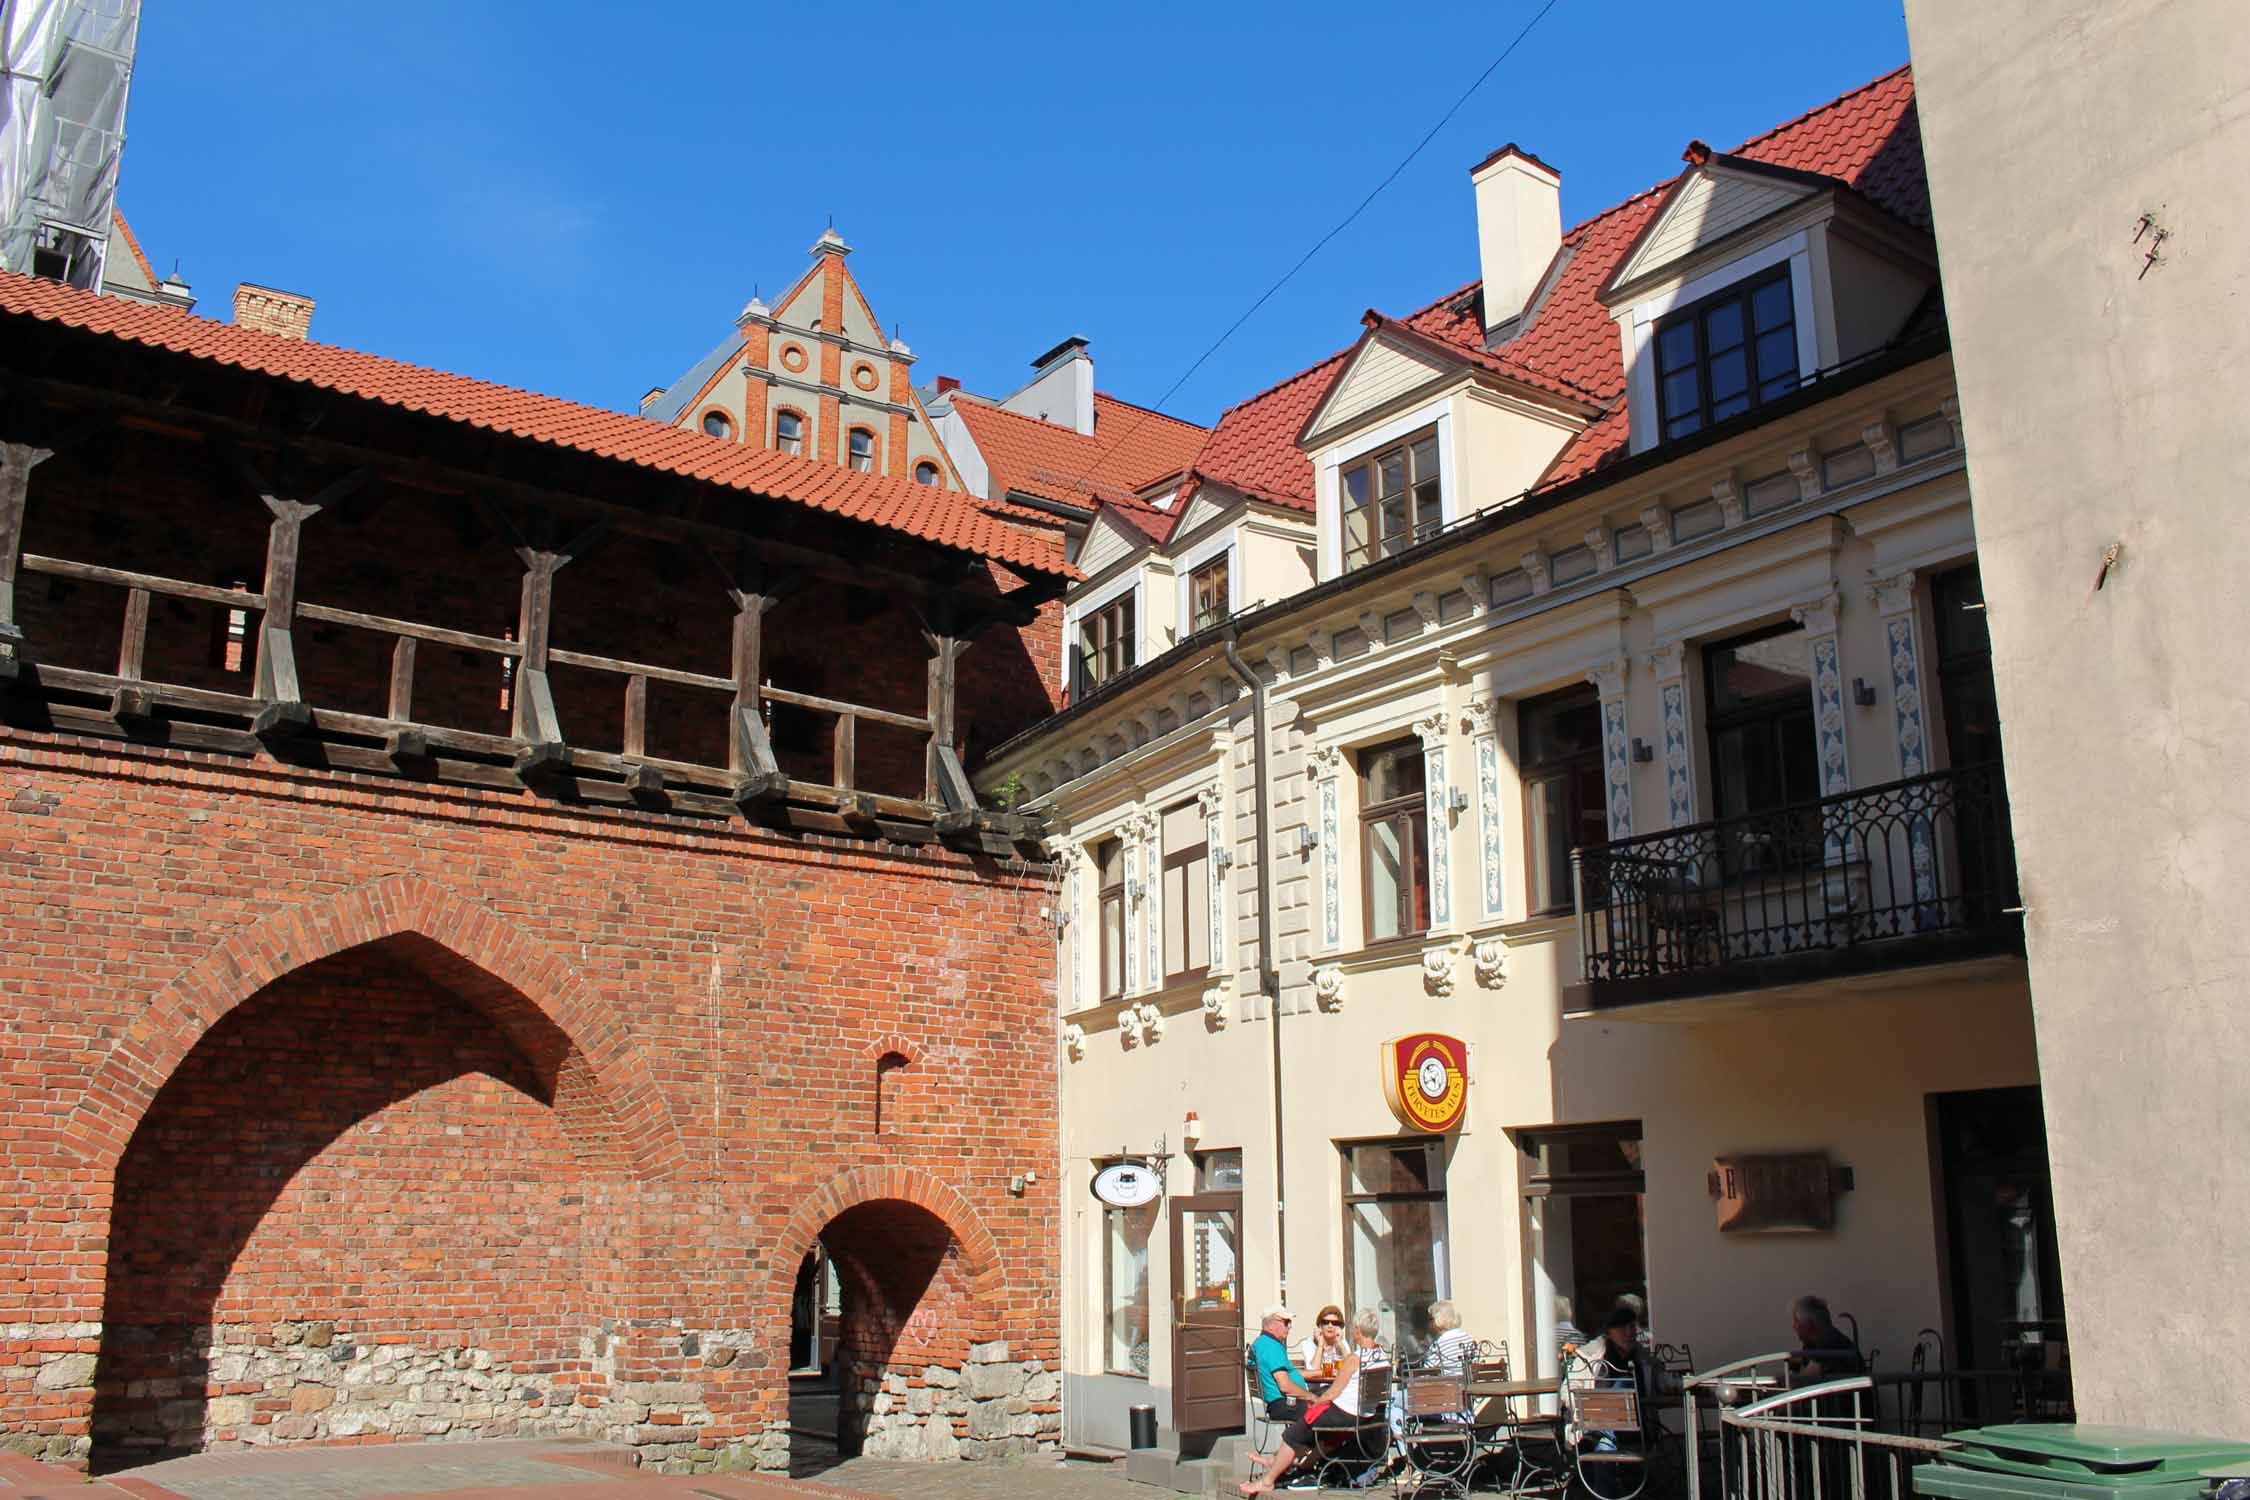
891 1044
149 1050
861 1185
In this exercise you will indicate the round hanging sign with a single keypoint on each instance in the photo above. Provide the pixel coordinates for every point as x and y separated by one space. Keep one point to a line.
1127 1184
1426 1080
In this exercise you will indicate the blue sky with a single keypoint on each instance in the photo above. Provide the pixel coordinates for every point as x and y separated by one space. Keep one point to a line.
554 196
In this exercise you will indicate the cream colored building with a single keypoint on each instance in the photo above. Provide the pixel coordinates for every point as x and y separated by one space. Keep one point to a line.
1701 607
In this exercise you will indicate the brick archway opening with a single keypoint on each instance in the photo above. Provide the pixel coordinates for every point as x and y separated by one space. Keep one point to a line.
384 1196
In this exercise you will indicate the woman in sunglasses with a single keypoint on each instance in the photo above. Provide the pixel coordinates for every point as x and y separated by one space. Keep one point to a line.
1326 1346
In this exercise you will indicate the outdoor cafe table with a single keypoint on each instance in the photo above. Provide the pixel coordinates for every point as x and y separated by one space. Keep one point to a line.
1485 1390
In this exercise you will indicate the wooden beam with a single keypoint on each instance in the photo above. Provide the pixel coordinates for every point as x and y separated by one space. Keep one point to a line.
847 751
277 653
945 656
636 716
533 702
132 645
402 679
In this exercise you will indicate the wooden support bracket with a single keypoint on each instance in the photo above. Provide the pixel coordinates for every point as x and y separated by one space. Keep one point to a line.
133 707
858 810
407 747
757 791
543 765
645 783
278 723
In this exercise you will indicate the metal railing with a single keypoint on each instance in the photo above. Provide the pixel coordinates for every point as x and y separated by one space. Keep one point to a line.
1816 1442
1907 872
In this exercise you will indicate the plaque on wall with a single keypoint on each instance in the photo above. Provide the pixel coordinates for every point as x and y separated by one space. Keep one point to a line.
1782 1194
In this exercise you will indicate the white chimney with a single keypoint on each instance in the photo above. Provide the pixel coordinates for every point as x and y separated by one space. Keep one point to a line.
1519 228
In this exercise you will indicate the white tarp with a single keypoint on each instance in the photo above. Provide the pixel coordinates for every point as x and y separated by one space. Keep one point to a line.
65 69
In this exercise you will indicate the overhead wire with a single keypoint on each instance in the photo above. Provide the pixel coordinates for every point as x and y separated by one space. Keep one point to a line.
1320 244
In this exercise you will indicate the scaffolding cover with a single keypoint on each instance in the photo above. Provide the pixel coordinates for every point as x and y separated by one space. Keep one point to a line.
66 66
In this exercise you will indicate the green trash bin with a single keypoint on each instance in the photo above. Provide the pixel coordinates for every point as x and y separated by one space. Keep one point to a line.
2077 1461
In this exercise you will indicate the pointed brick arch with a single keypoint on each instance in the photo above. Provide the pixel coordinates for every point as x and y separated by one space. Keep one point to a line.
979 1249
398 906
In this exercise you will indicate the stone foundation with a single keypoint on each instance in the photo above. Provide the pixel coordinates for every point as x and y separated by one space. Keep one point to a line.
992 1407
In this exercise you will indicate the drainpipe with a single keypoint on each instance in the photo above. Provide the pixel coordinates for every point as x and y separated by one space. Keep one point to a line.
1269 974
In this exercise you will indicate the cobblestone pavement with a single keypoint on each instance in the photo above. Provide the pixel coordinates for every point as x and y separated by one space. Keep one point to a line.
1025 1479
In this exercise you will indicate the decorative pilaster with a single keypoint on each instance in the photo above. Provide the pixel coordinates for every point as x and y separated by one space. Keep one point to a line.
1821 651
1074 932
1437 802
1218 860
1617 746
1483 723
1325 765
1669 663
1147 832
1894 600
1136 833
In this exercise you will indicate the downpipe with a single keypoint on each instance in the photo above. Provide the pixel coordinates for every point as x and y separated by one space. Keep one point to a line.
1269 973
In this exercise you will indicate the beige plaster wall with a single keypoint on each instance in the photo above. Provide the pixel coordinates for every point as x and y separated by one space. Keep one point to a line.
2103 407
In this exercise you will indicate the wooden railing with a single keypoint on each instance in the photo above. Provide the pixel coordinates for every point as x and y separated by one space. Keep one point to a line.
752 781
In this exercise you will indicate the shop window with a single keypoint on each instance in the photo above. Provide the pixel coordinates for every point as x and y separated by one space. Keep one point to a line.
1391 499
1585 1207
1109 863
1394 840
1187 894
1395 1237
1125 1235
1559 740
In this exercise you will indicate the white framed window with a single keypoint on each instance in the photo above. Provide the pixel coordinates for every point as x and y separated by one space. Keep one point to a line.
1436 422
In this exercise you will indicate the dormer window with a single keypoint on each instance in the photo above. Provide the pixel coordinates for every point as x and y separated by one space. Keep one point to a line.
1392 499
1105 646
1727 353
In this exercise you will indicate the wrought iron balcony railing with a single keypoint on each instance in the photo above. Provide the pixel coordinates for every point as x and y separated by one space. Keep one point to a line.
1911 872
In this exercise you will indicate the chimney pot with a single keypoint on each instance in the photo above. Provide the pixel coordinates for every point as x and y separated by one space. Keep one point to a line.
269 310
947 385
1519 228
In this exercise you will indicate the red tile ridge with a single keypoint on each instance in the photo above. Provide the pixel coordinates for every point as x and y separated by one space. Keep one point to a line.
133 243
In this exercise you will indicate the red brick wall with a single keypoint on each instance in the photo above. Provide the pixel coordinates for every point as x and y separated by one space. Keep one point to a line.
382 1035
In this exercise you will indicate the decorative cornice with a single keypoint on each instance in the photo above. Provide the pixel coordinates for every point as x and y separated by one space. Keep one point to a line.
1478 586
1668 662
1482 716
1881 439
1804 463
1727 490
1371 626
1535 567
1074 1041
1324 761
1437 969
1431 730
1600 541
1426 605
1658 523
1328 987
1491 958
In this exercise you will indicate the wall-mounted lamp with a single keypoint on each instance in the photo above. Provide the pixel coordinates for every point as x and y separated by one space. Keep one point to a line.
1307 840
1192 1131
1863 692
1222 859
1134 890
1059 920
1017 1182
1458 800
1643 751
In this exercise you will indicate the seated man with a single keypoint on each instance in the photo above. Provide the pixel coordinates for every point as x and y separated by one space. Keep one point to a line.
1281 1386
1617 1360
1827 1352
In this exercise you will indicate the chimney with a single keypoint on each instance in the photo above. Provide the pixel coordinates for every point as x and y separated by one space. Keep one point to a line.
1061 389
650 399
284 314
948 384
1519 228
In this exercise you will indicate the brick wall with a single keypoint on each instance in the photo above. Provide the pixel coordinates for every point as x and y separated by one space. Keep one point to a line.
547 1103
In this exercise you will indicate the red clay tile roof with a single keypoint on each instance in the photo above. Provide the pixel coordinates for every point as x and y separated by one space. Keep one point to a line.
932 513
1869 138
1130 446
1254 446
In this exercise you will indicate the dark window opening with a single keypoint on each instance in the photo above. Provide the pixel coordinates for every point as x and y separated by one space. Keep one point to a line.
1727 353
1391 500
1565 802
1394 840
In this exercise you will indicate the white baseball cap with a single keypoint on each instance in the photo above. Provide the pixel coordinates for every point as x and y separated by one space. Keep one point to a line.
1277 1310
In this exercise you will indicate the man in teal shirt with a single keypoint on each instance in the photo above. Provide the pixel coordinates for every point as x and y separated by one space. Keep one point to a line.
1281 1384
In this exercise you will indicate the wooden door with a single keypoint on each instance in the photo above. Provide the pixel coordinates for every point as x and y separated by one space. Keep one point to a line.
1207 1387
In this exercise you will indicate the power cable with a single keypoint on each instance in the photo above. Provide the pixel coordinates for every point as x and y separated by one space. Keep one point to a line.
1320 244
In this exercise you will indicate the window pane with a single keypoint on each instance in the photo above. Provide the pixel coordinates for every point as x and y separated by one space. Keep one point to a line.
1398 1257
1395 534
1675 347
1551 833
1424 454
1559 727
1113 945
1387 876
1722 327
1777 363
1721 410
1110 859
1682 395
1730 377
1746 673
1358 529
1418 869
1125 1287
1176 914
1770 305
1428 512
1379 1167
1195 911
1681 426
1391 474
1393 772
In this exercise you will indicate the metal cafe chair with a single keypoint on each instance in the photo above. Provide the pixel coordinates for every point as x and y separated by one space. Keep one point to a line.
1435 1439
1613 1473
1342 1454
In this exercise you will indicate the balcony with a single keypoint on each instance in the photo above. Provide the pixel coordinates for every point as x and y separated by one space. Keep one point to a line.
1900 876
